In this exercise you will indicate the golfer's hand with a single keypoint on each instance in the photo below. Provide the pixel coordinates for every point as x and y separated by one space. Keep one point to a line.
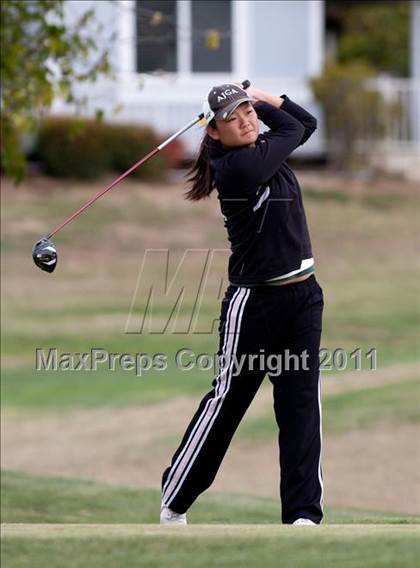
254 93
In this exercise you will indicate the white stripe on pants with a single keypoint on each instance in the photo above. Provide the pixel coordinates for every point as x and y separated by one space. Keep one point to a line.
200 432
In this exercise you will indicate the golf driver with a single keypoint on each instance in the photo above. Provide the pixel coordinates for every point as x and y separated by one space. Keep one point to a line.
44 252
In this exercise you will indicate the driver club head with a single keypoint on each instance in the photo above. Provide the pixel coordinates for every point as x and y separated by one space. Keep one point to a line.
44 254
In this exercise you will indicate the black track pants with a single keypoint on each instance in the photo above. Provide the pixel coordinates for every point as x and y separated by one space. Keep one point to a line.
281 327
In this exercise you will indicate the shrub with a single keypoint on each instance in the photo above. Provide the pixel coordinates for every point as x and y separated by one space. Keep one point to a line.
175 153
71 147
128 144
353 112
85 148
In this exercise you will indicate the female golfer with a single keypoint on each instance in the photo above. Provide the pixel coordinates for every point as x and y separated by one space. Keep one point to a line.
272 309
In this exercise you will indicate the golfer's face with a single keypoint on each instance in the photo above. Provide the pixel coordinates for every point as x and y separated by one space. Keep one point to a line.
240 129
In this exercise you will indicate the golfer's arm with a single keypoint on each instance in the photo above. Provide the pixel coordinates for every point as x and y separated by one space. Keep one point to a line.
250 167
307 120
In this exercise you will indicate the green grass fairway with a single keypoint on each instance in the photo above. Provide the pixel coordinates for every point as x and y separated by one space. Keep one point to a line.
105 546
364 246
37 499
361 253
62 530
66 523
392 404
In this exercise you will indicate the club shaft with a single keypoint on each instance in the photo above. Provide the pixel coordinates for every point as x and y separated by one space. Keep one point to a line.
124 175
199 118
181 131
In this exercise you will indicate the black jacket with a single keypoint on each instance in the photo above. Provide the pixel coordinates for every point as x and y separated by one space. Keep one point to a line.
260 197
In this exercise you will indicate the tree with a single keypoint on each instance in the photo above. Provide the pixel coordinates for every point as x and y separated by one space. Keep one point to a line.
41 57
372 32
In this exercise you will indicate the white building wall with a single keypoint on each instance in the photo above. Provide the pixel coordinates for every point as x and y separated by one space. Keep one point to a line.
286 38
106 14
285 49
276 44
415 39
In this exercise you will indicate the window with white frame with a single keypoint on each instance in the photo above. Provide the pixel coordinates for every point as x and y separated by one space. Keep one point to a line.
211 36
158 30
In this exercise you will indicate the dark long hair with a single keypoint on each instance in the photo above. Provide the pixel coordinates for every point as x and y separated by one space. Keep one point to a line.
201 174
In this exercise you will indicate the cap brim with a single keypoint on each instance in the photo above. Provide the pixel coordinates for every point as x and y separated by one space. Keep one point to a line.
225 113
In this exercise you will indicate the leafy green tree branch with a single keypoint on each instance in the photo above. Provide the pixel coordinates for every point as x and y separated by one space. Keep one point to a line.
42 57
